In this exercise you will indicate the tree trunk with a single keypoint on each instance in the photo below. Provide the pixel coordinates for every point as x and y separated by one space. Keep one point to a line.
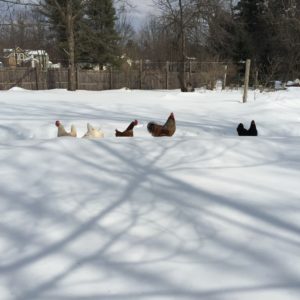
71 48
246 83
181 75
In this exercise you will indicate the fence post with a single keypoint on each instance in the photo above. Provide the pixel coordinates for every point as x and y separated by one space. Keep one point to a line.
59 85
167 75
77 77
256 79
141 72
225 77
37 77
246 83
110 78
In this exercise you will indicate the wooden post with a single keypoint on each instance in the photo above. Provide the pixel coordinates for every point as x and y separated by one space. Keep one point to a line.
141 73
167 75
256 79
246 83
77 77
225 77
57 83
37 77
44 79
110 78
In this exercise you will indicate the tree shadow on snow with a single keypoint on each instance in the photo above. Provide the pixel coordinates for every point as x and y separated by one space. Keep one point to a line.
127 221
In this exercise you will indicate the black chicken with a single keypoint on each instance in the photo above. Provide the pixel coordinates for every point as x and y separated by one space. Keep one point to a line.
242 131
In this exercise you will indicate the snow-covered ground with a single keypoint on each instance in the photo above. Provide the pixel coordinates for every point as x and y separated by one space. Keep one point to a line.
202 215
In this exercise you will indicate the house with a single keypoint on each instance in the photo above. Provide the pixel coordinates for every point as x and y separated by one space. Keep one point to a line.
37 58
13 57
21 58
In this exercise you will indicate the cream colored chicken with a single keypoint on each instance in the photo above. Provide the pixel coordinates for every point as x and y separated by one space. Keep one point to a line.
61 131
93 133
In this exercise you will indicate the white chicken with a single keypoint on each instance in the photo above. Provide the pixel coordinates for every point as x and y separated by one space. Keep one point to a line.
93 133
61 131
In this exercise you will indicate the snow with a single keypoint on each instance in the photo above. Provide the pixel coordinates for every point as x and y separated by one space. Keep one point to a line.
202 215
37 52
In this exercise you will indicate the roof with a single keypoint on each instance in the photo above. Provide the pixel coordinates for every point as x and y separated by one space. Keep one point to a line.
27 51
36 52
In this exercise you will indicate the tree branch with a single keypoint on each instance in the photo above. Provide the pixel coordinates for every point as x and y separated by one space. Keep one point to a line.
18 2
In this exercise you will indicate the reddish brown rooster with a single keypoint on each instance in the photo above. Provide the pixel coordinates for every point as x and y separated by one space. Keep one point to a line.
128 131
168 129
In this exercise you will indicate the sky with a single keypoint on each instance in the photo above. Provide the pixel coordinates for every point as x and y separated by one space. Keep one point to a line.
141 10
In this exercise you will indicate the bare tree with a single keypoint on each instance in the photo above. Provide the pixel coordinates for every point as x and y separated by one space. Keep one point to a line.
18 26
123 25
66 13
61 13
188 20
176 15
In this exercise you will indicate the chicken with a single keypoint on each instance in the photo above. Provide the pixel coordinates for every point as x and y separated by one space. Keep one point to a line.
62 132
188 88
93 133
252 130
168 129
128 131
242 131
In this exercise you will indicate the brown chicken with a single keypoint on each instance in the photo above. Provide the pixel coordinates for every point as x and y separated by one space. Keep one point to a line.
62 132
168 129
128 131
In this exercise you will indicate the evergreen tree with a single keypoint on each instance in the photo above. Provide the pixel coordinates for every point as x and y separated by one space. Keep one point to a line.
98 37
254 43
65 15
270 31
